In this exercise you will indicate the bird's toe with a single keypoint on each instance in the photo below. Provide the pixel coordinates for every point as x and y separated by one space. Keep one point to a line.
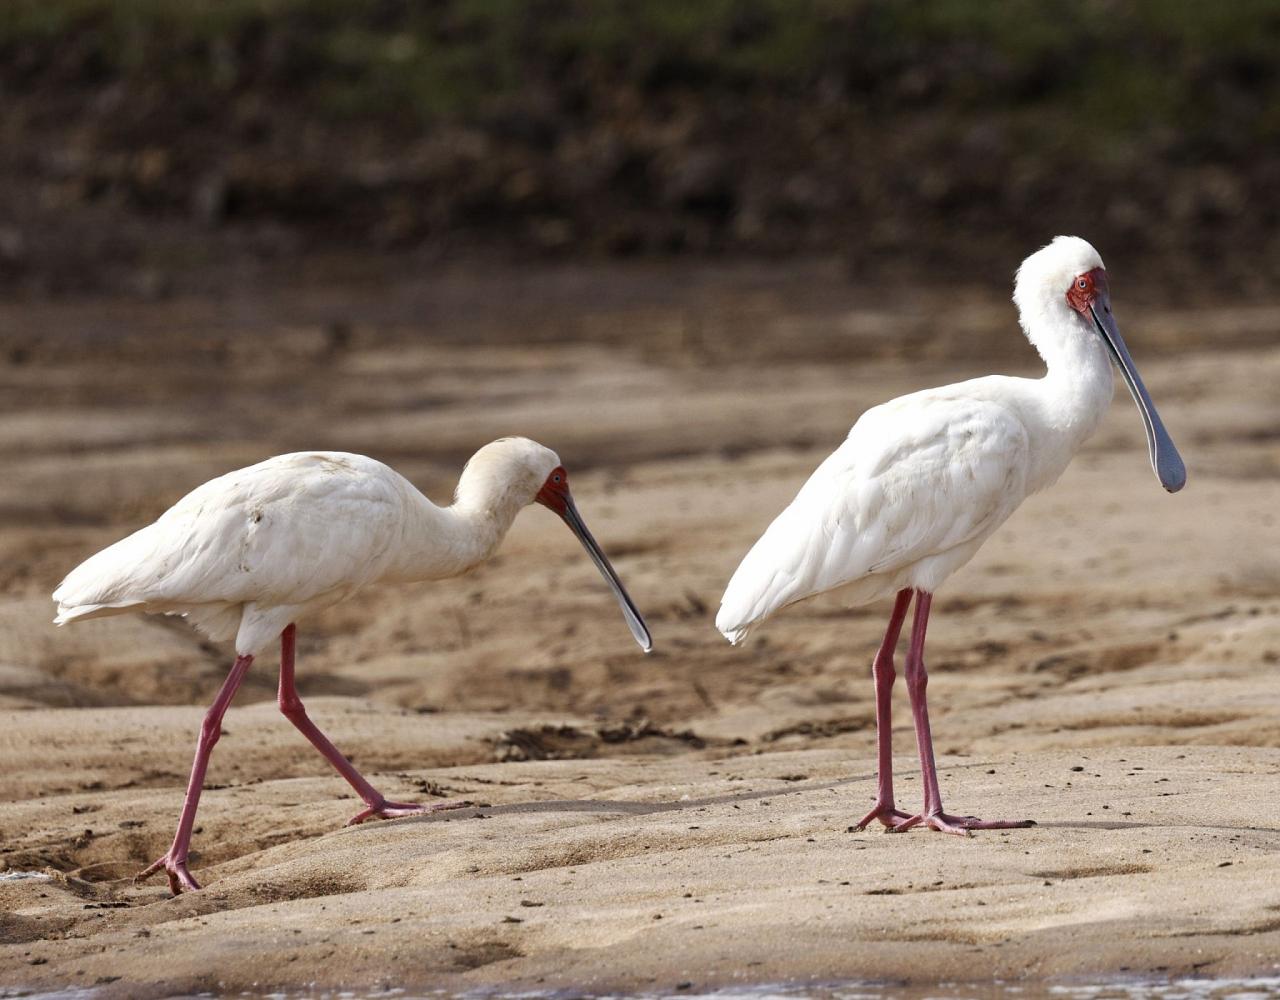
907 823
179 875
884 813
394 810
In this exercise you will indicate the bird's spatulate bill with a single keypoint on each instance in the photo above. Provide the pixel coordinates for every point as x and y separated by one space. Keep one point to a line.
634 622
1165 459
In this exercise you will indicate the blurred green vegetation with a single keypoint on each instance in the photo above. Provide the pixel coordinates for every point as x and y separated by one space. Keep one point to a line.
1113 65
624 126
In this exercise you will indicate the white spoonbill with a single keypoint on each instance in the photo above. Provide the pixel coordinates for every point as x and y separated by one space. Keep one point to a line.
922 481
248 554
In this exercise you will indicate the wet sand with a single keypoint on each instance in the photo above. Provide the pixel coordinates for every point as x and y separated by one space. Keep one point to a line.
1107 665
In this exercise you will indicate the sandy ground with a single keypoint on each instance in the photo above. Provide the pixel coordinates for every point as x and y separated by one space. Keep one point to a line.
1107 665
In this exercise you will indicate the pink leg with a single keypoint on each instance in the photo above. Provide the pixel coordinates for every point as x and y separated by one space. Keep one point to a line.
917 681
882 669
291 705
174 862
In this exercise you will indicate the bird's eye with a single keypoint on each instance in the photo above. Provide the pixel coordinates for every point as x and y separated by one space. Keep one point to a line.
1082 283
556 478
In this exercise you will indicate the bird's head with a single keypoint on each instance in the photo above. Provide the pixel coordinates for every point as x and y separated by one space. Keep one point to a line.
515 472
1047 286
508 472
1064 304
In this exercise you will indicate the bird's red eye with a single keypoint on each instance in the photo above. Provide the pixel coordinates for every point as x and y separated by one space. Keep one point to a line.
1081 292
556 478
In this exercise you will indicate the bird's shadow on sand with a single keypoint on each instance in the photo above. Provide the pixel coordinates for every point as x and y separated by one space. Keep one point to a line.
618 807
622 808
629 808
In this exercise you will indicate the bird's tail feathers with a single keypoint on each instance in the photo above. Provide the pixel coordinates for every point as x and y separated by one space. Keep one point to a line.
82 612
732 627
106 583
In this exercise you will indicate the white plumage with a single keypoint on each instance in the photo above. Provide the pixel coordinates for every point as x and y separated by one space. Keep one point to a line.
914 490
245 554
250 553
922 481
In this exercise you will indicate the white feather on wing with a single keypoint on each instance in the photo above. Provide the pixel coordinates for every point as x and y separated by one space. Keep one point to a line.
916 477
297 526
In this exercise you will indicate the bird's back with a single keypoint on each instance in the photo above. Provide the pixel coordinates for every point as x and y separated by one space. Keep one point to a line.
917 486
283 532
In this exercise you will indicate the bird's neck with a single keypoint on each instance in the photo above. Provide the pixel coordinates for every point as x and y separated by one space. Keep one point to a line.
485 522
446 541
1072 397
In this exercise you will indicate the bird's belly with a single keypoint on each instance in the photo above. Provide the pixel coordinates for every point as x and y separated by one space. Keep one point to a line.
929 573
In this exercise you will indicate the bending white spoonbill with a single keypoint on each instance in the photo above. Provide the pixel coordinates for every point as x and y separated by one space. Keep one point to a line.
248 554
922 481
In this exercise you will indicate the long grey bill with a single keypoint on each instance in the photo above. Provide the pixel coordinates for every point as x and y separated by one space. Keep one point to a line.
1165 459
634 622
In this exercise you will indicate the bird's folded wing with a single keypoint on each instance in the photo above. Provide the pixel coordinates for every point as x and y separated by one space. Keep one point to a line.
915 477
258 534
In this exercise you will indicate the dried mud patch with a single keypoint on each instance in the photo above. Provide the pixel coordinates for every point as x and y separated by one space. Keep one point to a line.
1099 871
562 742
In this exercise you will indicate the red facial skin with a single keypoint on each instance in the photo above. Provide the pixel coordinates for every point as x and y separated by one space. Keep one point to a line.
1084 291
554 494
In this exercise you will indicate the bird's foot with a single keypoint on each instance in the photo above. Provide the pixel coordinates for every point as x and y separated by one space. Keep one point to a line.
961 826
886 813
390 810
180 878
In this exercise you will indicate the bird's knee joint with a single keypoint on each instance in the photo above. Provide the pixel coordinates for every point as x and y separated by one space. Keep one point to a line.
882 670
292 707
210 730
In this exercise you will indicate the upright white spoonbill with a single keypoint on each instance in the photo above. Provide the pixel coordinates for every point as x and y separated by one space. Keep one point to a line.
248 554
923 480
